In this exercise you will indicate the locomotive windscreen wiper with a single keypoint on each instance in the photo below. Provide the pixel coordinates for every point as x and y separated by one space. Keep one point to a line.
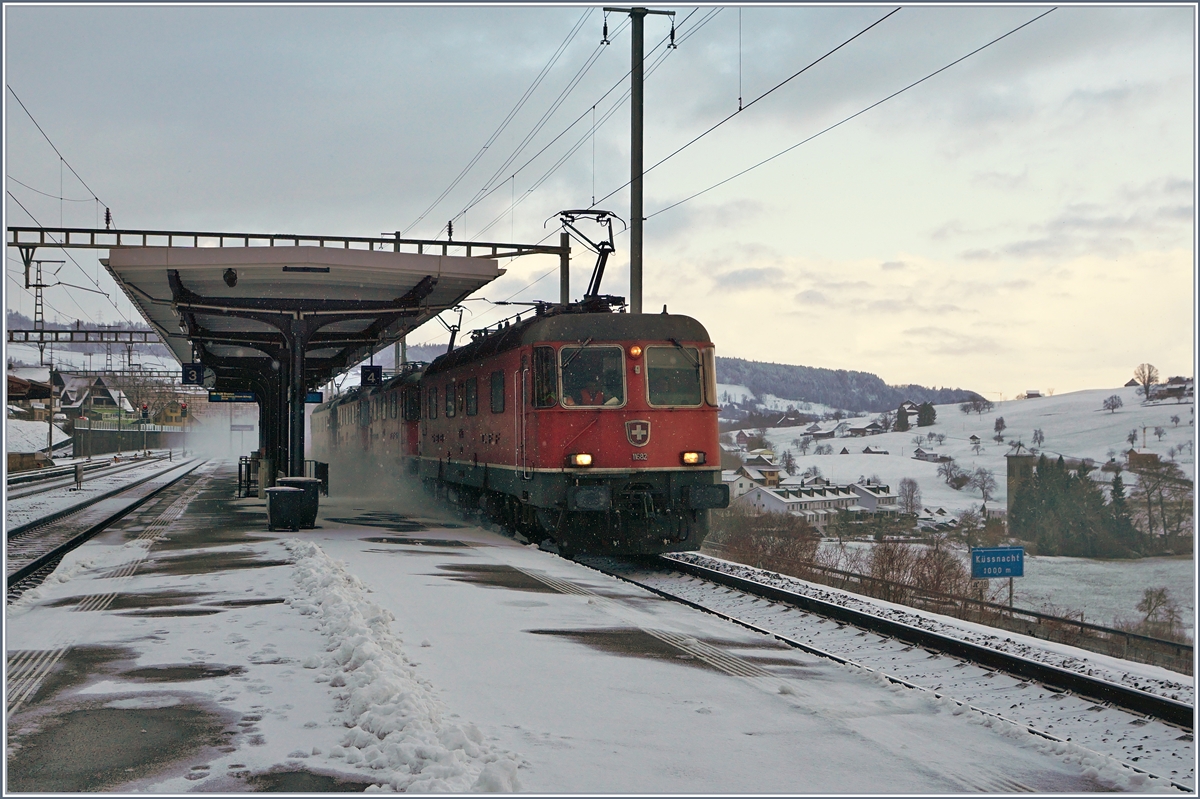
575 354
695 362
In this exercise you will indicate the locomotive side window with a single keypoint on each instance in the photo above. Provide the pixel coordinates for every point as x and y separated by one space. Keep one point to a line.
432 400
449 400
593 376
395 404
545 377
498 392
411 397
673 375
472 387
710 376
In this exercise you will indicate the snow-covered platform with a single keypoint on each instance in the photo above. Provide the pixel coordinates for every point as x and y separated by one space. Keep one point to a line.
190 649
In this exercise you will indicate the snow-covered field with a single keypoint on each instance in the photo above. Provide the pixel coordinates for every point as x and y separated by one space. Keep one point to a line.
738 394
1075 426
70 359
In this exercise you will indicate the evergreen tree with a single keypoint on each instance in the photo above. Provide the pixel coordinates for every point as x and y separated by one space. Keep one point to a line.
901 420
926 414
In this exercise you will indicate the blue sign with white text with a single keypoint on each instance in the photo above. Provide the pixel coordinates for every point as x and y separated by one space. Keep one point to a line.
987 562
232 396
315 397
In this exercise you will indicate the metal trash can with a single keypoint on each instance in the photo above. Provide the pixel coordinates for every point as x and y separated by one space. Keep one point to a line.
285 508
310 486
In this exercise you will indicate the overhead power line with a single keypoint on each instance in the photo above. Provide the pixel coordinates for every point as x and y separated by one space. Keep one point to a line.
852 116
658 59
53 147
742 108
681 38
51 196
505 122
81 269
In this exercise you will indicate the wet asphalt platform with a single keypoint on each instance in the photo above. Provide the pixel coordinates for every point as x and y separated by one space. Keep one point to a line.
184 649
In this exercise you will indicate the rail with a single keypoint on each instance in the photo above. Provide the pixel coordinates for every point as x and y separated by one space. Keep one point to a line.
1175 655
1139 701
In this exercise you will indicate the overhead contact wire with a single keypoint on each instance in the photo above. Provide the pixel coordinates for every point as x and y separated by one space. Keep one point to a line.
508 119
852 116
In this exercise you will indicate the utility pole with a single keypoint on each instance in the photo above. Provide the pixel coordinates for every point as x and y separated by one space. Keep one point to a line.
637 78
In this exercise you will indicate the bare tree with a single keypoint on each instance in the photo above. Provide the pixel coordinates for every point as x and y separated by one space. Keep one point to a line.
1175 421
788 462
999 427
1132 437
909 496
887 420
977 447
1146 376
1112 403
1159 433
941 438
1039 437
978 406
984 481
918 440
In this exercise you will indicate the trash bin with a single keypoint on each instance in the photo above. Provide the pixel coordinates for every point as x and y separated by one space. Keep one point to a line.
310 486
285 508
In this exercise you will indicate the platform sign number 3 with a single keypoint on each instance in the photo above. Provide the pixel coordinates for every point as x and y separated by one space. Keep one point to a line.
372 375
193 374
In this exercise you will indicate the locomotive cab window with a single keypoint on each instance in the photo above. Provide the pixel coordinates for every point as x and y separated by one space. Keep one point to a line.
673 376
545 378
498 392
593 376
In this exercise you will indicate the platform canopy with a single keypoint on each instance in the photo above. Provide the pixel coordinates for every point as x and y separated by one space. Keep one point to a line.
236 309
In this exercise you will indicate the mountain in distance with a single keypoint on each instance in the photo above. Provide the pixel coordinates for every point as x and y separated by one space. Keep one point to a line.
837 388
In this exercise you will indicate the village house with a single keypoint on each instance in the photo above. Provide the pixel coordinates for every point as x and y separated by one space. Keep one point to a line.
864 427
28 399
761 470
816 504
872 451
929 455
877 498
738 483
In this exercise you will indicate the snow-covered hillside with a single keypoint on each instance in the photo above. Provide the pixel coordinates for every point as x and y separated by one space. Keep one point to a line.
1075 425
729 394
21 435
69 359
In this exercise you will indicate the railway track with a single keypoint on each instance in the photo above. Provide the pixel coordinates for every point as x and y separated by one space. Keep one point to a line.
25 485
34 549
1148 733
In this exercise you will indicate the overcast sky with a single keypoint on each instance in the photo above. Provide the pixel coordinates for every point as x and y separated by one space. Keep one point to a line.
1024 219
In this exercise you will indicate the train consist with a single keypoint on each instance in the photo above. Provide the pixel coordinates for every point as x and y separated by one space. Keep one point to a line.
594 429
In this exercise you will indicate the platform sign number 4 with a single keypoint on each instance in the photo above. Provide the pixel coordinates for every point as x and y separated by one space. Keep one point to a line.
372 375
193 374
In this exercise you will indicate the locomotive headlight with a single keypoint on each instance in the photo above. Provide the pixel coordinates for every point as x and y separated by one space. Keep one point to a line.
579 459
692 458
635 351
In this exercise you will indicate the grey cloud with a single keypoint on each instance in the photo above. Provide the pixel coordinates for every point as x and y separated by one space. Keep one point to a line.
888 266
750 279
812 297
943 341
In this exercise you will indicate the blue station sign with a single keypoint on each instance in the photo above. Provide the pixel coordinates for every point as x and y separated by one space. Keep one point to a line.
232 396
315 397
988 562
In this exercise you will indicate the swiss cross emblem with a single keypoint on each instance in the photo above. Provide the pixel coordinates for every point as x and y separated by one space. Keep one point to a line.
638 432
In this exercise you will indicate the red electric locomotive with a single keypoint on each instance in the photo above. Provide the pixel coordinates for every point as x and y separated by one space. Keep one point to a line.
592 429
595 429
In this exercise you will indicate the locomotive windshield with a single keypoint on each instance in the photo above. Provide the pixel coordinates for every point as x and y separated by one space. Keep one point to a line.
673 375
593 376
